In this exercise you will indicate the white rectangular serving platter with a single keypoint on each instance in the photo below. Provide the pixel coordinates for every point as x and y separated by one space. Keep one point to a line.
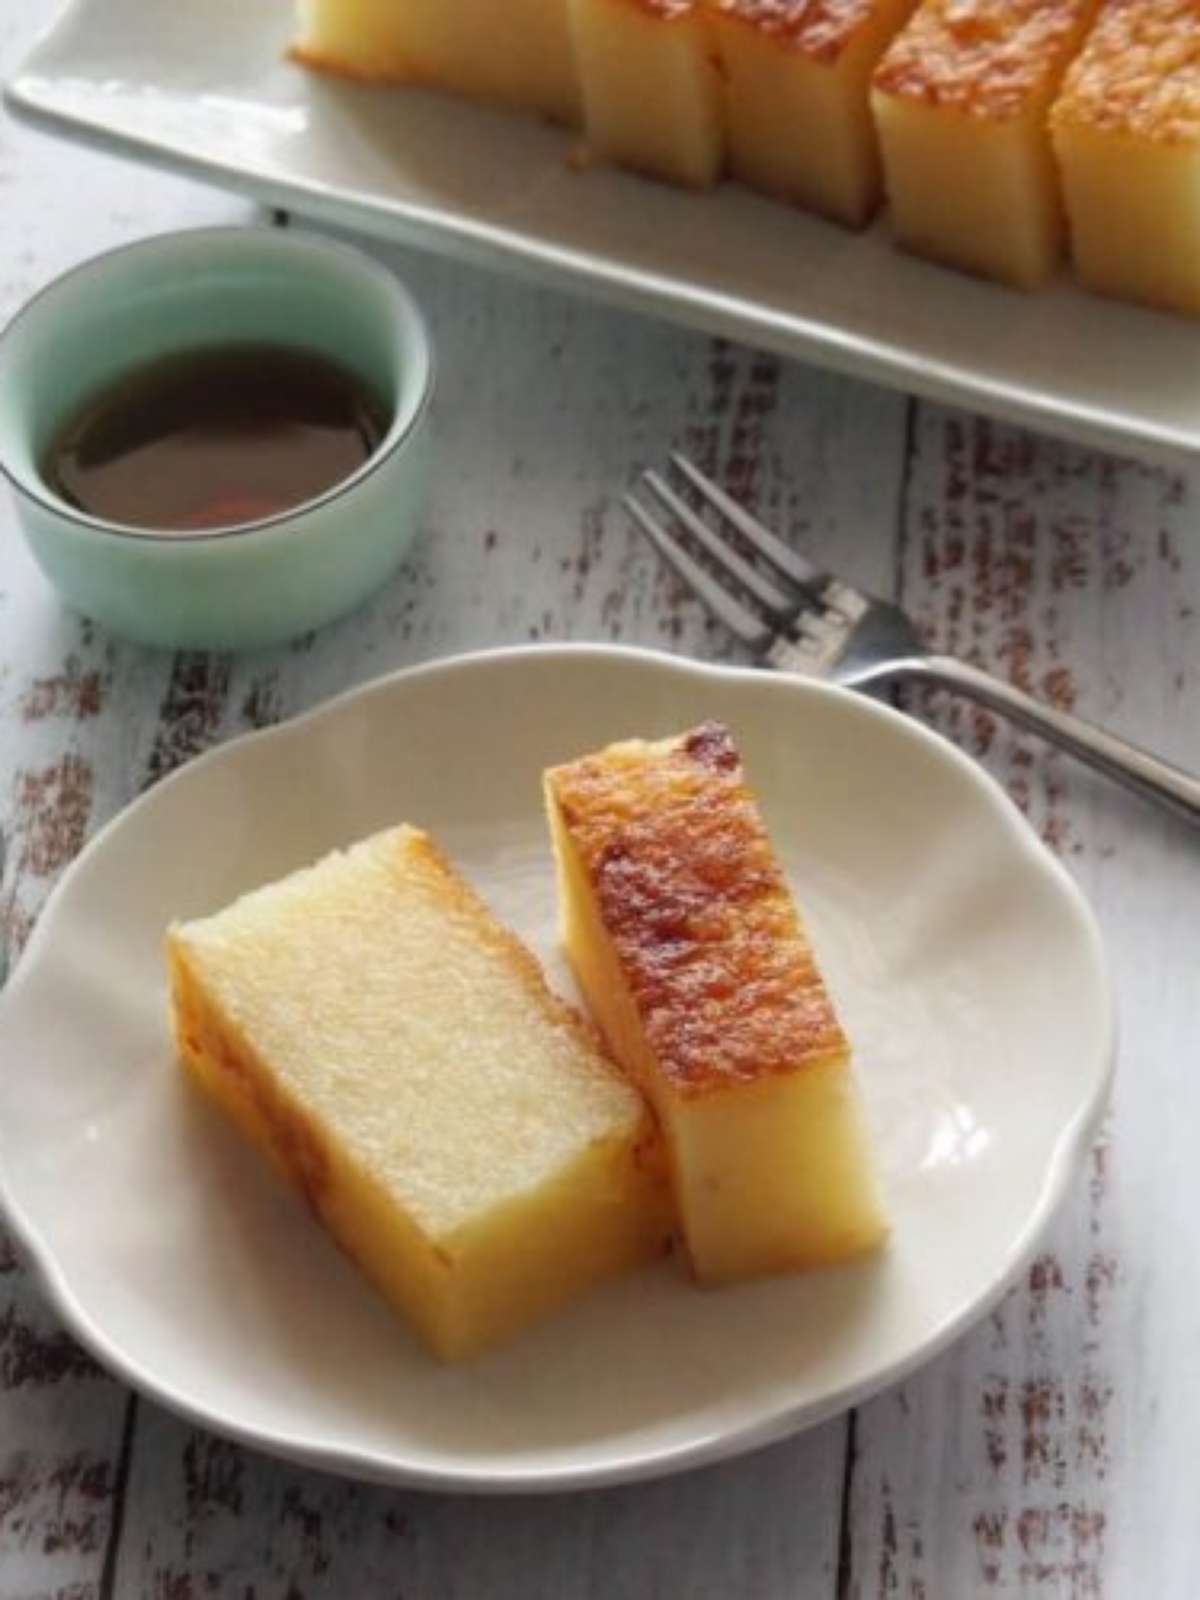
205 87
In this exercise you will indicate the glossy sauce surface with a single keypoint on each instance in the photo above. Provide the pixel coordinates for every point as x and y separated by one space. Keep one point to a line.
214 438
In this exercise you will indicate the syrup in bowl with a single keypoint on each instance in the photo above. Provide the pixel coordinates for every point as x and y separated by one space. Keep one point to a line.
215 437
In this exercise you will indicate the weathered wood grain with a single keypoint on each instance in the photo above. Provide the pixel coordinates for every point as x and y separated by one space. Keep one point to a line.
1050 1452
73 714
206 1518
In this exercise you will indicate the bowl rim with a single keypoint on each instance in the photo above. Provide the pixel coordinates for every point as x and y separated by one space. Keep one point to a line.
404 424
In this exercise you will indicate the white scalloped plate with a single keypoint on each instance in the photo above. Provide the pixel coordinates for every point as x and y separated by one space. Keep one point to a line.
966 965
205 88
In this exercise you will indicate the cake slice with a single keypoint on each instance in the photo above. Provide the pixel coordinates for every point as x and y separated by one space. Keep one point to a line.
1126 130
651 91
961 100
518 53
693 960
397 1053
797 77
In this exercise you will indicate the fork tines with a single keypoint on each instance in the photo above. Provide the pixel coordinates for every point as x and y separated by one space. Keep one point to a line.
803 580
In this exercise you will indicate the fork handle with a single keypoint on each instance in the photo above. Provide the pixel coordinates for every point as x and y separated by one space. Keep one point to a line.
1125 763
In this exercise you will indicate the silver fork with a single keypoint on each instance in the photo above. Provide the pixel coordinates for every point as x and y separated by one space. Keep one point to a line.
800 619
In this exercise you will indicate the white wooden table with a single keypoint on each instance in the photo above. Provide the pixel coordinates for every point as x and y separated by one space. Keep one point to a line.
1053 1451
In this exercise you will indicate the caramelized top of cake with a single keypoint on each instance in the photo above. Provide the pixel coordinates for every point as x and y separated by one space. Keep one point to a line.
985 58
818 28
1139 73
703 924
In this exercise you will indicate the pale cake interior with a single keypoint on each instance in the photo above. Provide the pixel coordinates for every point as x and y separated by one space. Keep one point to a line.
771 1172
798 119
1127 135
651 93
518 54
399 1056
961 101
1135 219
981 196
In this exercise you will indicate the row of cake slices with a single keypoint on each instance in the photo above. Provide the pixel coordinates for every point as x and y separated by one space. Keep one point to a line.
990 124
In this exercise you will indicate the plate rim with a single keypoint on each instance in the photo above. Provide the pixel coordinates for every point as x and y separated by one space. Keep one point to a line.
804 338
1069 1153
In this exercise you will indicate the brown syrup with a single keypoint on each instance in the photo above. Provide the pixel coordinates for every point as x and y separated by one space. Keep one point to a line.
214 438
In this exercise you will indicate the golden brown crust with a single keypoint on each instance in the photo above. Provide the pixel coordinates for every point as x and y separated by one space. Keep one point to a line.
820 29
410 75
215 1051
321 61
983 58
688 888
1139 73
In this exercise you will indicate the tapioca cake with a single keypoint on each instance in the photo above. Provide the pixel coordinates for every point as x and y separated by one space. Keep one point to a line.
1126 130
651 90
796 80
961 99
399 1056
518 53
691 954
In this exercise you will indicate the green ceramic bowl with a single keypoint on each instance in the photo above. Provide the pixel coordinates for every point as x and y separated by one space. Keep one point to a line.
258 582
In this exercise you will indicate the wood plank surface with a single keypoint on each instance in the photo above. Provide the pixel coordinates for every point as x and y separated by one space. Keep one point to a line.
75 715
1048 1454
1037 1457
